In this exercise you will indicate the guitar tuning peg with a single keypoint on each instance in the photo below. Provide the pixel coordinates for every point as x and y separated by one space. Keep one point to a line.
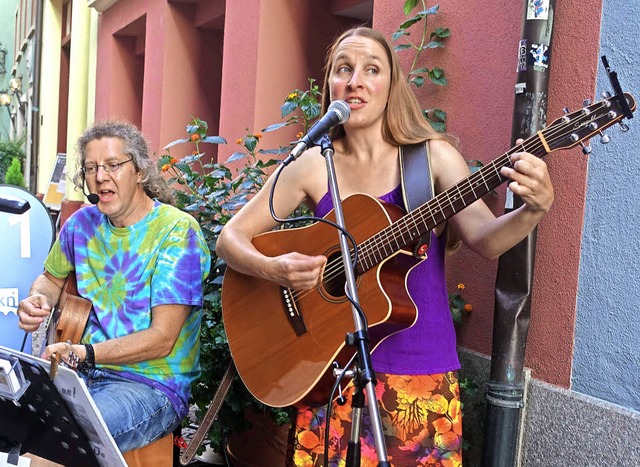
566 110
586 102
604 138
585 149
624 127
606 94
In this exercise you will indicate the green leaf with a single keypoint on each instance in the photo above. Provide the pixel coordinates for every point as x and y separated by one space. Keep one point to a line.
398 34
438 126
288 107
437 72
197 125
441 33
440 81
440 114
250 142
173 143
311 109
430 11
434 45
417 80
409 5
281 150
400 47
275 126
236 156
410 22
214 140
456 314
418 71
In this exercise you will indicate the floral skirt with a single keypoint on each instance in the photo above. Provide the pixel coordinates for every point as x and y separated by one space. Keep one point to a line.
421 420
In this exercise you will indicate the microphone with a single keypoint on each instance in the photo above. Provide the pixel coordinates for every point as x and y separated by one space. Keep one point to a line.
337 114
92 197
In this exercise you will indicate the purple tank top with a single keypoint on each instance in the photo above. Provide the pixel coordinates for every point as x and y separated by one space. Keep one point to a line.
429 346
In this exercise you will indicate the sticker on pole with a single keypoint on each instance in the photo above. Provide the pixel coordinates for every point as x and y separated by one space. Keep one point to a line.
540 54
538 9
522 56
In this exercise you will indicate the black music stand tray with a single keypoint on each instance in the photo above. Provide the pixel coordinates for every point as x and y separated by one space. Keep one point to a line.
53 419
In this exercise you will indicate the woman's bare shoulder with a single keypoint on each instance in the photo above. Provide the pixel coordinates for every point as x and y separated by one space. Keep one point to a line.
309 173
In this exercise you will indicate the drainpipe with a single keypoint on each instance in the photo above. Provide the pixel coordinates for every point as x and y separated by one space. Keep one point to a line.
505 389
35 104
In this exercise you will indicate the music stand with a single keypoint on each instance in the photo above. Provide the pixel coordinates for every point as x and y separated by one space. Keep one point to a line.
53 419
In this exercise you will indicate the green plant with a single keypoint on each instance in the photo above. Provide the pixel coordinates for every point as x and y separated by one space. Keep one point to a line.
212 192
14 174
9 150
458 304
427 40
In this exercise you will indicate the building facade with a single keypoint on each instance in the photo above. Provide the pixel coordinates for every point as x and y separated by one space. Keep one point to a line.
157 63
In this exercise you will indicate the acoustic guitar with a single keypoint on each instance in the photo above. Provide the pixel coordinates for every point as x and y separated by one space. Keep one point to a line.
69 317
283 341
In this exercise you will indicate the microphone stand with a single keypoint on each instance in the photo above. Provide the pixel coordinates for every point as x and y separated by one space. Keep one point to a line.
363 376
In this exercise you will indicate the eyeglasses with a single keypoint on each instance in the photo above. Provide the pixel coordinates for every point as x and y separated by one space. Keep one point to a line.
108 167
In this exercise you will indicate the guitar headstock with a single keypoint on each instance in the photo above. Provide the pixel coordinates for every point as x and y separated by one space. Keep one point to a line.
576 127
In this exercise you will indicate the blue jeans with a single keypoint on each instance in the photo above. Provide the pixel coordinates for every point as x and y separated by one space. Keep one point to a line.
135 413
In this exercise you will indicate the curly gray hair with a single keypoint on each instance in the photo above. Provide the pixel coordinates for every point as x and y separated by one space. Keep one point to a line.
135 146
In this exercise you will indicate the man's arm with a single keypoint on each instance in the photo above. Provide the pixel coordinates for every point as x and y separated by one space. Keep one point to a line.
155 342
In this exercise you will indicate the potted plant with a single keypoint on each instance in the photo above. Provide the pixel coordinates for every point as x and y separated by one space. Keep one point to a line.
212 192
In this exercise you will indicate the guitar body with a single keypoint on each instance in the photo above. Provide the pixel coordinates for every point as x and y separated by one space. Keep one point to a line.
70 315
281 358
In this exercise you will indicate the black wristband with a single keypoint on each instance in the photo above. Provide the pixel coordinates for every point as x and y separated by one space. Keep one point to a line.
89 359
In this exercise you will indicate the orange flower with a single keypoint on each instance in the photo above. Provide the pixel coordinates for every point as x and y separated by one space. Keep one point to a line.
173 160
293 95
460 286
195 137
166 167
468 308
239 141
195 153
299 135
258 136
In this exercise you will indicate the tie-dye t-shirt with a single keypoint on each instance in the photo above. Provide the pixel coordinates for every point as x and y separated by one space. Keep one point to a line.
125 272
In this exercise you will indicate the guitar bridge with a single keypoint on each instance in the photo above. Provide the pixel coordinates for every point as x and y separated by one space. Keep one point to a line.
293 313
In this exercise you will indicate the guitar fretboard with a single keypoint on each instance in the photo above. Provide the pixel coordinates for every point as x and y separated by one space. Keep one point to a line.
563 133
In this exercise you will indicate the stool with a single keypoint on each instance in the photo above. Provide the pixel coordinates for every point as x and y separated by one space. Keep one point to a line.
157 454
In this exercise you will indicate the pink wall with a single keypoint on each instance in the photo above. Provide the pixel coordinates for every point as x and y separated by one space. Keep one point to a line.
281 45
480 61
181 74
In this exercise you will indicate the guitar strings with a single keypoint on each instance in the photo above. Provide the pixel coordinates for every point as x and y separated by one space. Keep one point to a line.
374 249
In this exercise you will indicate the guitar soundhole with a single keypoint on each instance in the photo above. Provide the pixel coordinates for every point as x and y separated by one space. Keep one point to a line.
333 280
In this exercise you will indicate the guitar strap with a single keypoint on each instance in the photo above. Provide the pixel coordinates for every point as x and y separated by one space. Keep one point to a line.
417 185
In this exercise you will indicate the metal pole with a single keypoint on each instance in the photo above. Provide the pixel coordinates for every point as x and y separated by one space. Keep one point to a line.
514 279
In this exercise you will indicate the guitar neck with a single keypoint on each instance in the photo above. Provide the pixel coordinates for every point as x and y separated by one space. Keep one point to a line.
438 209
563 133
